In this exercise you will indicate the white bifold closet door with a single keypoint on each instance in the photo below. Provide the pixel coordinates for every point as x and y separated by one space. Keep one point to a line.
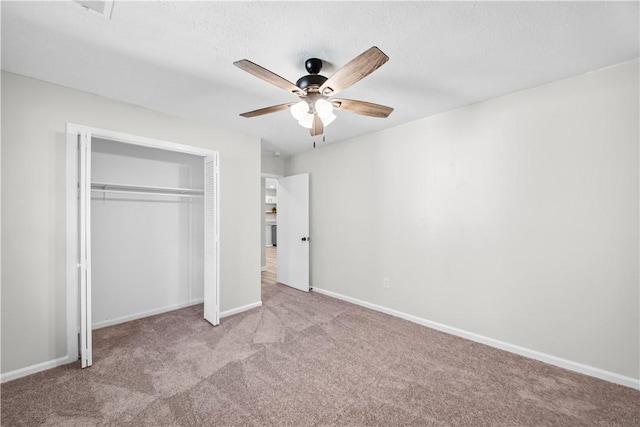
211 293
210 261
84 264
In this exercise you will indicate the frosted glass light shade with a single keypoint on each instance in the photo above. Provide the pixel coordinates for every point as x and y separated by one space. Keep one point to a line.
299 110
326 120
324 108
306 121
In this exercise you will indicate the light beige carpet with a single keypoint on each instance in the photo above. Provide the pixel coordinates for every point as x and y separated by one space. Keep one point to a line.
305 360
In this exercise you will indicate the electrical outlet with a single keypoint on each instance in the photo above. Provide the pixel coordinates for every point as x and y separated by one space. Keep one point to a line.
385 283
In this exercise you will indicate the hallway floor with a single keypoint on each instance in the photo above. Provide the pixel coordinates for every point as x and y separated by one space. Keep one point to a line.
270 276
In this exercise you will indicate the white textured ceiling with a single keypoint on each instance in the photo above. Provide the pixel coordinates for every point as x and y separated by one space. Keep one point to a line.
176 57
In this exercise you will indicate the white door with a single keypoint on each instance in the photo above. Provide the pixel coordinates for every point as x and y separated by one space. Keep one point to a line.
84 261
293 231
211 288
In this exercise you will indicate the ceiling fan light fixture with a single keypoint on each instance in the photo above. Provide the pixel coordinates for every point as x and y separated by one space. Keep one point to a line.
314 111
306 121
299 110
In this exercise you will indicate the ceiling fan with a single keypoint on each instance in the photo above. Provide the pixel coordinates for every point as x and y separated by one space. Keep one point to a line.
315 110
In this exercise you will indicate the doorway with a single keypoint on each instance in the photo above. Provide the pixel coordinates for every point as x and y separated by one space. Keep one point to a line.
286 205
270 231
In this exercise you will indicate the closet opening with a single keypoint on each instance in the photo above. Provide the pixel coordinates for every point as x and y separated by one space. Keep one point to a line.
147 225
143 215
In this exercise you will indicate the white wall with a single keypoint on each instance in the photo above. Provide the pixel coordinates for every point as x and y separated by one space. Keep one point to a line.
147 250
515 219
272 165
34 116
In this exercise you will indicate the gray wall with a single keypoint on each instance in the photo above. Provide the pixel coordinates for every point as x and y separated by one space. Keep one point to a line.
34 116
515 219
272 165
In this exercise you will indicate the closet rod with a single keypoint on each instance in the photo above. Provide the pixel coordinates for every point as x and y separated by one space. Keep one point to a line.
152 193
146 189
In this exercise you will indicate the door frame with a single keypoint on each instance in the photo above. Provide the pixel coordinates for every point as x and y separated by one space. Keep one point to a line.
73 130
264 175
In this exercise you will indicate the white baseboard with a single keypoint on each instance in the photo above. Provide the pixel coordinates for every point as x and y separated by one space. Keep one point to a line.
532 354
23 372
240 309
136 316
171 308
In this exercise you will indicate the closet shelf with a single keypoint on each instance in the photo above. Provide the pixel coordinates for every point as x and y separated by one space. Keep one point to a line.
105 187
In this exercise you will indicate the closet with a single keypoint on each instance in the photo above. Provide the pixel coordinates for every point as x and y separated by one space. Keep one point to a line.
147 230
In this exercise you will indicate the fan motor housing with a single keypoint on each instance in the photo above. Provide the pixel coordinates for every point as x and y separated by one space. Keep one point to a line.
313 66
311 80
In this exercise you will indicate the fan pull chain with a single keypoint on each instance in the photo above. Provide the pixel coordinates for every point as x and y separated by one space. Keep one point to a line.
323 140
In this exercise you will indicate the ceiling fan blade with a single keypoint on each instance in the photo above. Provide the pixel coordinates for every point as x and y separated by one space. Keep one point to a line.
354 71
267 110
268 76
317 128
362 107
